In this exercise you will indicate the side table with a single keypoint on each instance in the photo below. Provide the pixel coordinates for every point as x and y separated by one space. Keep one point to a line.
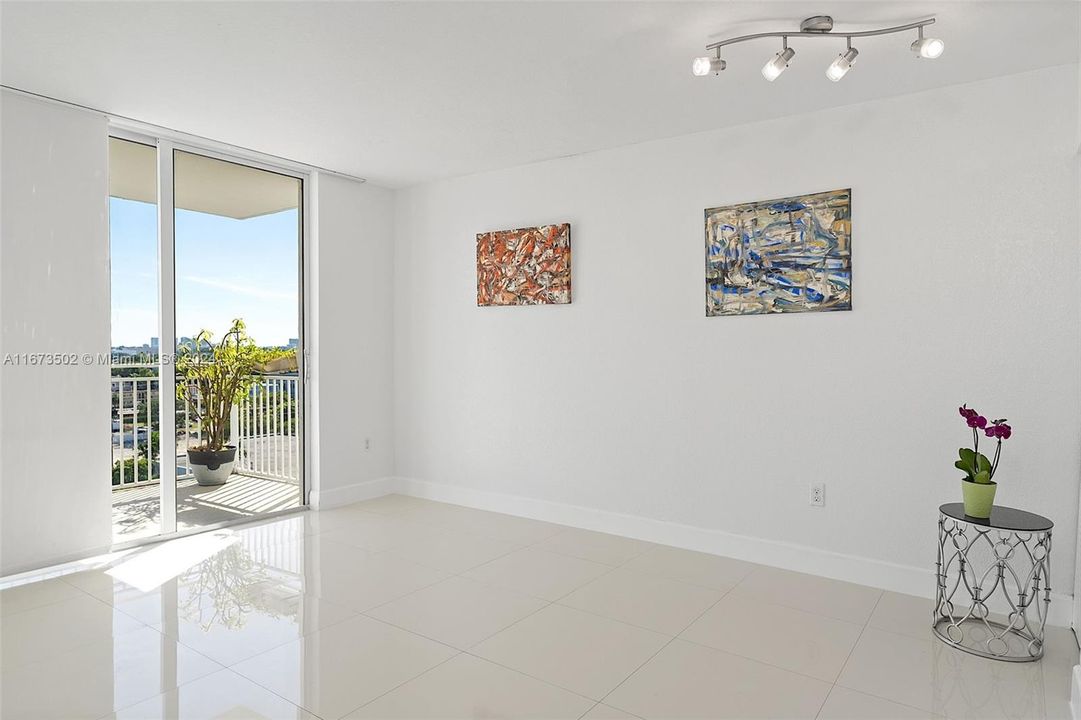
1005 559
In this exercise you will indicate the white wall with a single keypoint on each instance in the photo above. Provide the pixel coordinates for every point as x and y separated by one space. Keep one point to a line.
54 298
351 335
629 400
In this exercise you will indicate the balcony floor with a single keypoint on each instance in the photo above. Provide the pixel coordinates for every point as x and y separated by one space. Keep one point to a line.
137 511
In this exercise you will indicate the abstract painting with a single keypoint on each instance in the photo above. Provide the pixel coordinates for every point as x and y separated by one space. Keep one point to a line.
529 266
780 256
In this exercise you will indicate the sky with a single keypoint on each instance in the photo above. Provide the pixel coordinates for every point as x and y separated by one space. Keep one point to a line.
225 269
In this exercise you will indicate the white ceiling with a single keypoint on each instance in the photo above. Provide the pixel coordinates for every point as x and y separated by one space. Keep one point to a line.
406 92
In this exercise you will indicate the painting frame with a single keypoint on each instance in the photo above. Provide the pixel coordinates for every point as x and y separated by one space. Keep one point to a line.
524 266
782 256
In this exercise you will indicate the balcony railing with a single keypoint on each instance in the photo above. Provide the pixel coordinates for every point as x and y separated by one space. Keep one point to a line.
263 426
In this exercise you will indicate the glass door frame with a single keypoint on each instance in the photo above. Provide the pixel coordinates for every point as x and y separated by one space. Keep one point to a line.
166 144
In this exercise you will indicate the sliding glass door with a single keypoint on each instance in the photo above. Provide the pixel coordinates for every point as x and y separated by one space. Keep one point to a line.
210 429
237 234
134 357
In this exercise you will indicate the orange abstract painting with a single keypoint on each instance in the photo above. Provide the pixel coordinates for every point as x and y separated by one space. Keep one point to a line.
529 266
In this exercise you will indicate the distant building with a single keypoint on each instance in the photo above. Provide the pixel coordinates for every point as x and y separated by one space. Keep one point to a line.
293 342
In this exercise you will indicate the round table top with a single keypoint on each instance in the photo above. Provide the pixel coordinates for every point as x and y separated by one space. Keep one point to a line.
1002 518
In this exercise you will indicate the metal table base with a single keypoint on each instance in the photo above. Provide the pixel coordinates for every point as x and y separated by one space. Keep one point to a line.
992 561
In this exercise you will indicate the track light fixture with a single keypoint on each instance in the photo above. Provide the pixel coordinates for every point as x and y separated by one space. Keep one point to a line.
927 47
844 62
703 66
779 62
817 26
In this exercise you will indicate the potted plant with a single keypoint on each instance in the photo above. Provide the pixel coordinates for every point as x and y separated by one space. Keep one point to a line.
210 378
978 487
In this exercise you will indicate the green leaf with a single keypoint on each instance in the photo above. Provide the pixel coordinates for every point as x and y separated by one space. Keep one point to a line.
960 465
983 477
968 460
984 465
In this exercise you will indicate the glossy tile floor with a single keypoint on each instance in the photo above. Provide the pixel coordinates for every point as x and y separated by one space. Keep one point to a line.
405 608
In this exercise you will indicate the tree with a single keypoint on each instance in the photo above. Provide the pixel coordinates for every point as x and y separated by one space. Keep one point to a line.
218 376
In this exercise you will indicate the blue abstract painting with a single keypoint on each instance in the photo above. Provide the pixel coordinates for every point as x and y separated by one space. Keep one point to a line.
780 256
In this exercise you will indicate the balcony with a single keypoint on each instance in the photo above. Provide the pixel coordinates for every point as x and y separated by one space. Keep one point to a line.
265 479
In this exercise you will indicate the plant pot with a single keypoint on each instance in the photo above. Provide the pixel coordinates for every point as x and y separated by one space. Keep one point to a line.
979 498
212 467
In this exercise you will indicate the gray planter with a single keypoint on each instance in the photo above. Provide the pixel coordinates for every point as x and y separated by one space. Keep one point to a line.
212 467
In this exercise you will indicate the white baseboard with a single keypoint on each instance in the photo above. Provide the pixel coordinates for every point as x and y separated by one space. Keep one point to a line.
789 556
334 497
1075 693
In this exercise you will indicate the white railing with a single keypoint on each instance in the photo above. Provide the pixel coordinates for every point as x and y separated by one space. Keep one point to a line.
264 427
265 430
134 404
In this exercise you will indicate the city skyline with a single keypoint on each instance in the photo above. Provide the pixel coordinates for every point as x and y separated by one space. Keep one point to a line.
153 346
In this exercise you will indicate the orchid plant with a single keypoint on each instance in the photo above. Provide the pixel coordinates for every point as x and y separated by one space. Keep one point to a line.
973 463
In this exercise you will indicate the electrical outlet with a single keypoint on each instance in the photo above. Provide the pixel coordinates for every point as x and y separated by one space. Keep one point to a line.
818 494
367 443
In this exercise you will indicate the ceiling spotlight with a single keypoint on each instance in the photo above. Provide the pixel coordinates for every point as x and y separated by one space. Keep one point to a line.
842 64
778 63
929 48
703 66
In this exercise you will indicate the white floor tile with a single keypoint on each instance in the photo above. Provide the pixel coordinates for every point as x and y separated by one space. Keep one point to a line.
904 614
691 681
314 522
601 711
458 611
47 630
32 595
232 627
578 651
539 573
443 515
467 687
99 584
819 595
150 607
845 704
524 531
360 579
654 603
379 532
894 667
697 568
933 677
453 551
93 680
810 644
287 529
392 504
595 546
333 672
221 696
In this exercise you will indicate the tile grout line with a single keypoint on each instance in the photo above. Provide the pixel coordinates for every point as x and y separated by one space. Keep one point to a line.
851 650
661 649
403 682
591 709
222 669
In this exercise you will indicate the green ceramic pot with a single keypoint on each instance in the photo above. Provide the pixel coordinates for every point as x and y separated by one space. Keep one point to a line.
979 498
